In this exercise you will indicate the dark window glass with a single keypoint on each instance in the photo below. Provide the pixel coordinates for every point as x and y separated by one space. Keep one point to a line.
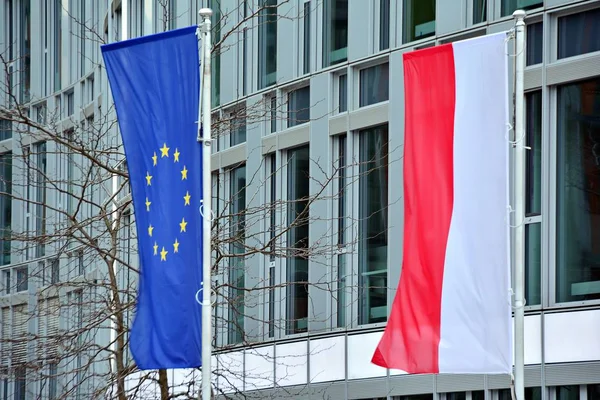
535 43
237 233
299 106
343 93
342 221
384 24
374 84
509 6
5 206
570 392
373 224
419 19
238 127
298 181
479 11
533 264
335 33
267 44
533 178
578 192
306 37
579 33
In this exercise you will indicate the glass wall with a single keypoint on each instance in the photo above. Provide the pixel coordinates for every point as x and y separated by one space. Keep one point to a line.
298 181
373 224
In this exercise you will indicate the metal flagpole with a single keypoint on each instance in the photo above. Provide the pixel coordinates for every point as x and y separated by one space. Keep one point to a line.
205 122
519 205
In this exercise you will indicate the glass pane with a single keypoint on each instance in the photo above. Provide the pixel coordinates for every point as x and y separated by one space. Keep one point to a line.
342 215
273 114
533 264
216 62
578 195
593 392
456 396
335 34
5 129
479 11
509 6
297 239
238 128
237 237
478 395
5 206
307 37
374 85
299 106
533 178
579 33
343 93
384 24
535 42
419 19
267 44
533 393
373 223
567 392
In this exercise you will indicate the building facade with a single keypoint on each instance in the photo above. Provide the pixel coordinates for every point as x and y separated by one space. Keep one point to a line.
307 166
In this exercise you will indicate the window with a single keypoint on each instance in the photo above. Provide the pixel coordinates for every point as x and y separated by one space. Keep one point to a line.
273 105
373 224
509 6
343 93
570 392
299 106
578 200
215 5
533 203
22 279
306 53
5 206
20 384
298 190
55 271
237 127
271 161
82 33
52 375
5 129
25 23
335 32
237 266
57 20
342 215
374 85
579 33
419 19
267 44
384 24
479 11
80 265
70 175
70 103
40 207
535 42
6 281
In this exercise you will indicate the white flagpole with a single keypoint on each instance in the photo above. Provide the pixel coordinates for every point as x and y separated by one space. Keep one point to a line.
205 122
519 205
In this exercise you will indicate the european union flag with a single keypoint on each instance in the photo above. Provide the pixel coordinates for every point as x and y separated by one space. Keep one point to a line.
155 83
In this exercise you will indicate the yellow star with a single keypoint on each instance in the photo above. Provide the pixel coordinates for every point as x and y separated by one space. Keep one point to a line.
150 229
155 248
176 246
164 151
187 198
148 202
182 224
148 178
163 254
184 172
154 159
176 155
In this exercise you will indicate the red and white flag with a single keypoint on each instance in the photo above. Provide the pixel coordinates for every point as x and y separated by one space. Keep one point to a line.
452 311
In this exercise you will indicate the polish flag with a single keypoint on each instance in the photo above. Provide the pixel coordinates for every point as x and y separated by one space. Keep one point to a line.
452 310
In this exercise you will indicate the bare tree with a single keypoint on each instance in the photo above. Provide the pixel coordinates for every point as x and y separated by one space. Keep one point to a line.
77 242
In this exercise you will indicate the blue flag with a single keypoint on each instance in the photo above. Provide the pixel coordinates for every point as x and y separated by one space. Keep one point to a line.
155 83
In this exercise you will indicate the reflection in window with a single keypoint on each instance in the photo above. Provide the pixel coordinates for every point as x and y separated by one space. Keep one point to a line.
535 43
384 24
570 392
335 33
5 206
578 193
533 179
509 6
479 11
419 19
297 239
373 224
5 129
299 106
267 44
374 84
22 279
579 33
237 234
533 264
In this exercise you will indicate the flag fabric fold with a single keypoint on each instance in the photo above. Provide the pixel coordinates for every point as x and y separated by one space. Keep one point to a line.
452 310
155 84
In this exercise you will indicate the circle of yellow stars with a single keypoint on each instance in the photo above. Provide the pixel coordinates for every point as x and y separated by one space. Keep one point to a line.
164 153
